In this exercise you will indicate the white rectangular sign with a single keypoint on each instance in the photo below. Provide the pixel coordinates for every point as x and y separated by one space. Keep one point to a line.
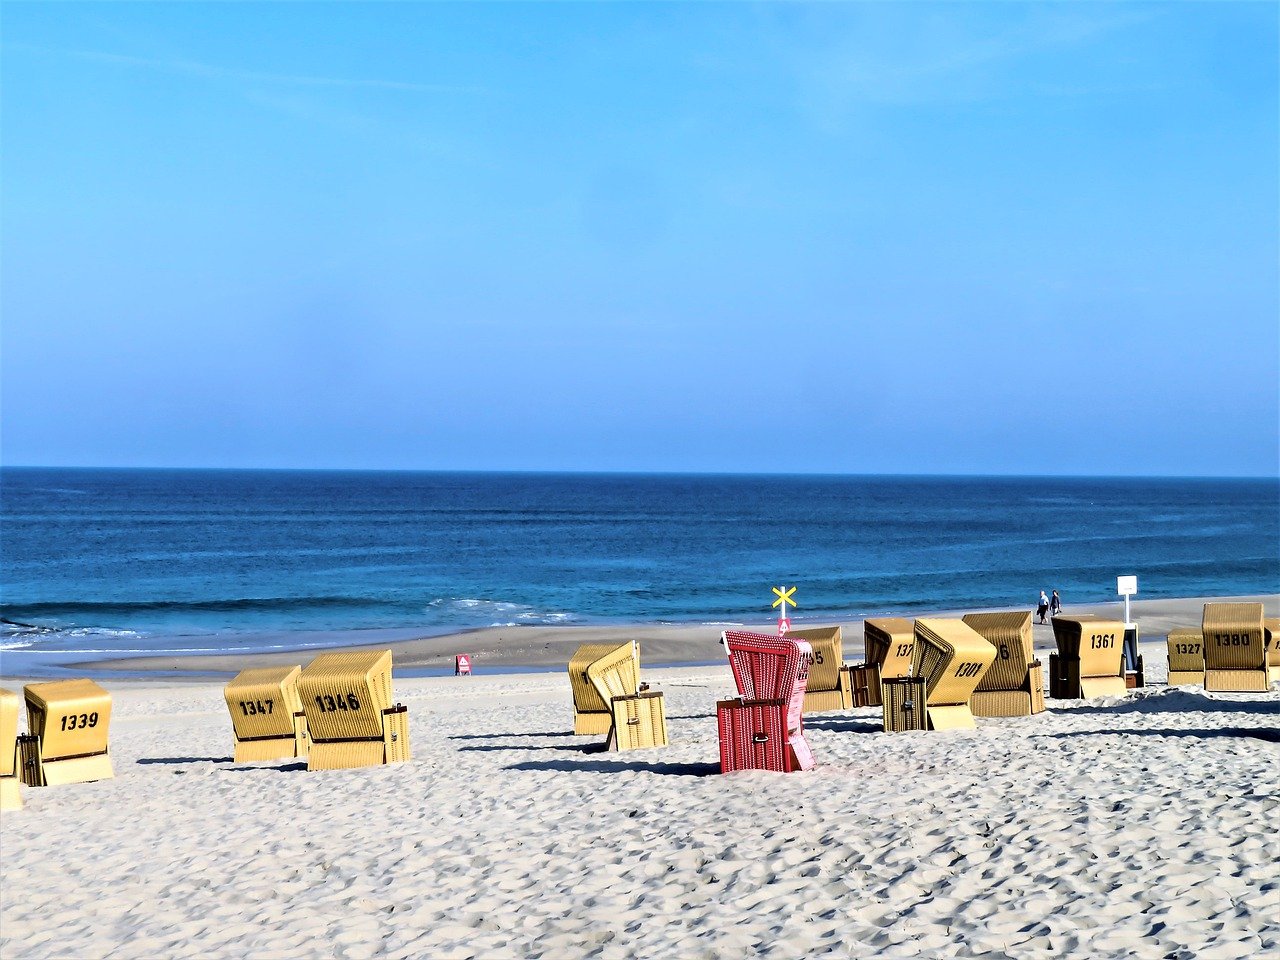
1126 586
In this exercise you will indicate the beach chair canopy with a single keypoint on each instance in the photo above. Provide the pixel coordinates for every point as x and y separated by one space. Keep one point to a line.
1010 634
344 694
890 644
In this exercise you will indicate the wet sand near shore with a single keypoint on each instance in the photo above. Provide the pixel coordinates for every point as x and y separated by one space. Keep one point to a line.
494 648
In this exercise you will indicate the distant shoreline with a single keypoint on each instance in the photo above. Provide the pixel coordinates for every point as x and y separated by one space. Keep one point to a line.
524 648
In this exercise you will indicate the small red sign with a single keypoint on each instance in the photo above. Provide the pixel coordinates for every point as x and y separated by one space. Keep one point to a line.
462 665
784 624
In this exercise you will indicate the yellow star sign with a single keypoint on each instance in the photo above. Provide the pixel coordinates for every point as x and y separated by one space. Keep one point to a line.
784 597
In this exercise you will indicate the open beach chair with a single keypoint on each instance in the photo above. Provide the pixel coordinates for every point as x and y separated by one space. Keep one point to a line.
764 728
829 686
1090 658
10 796
351 720
637 715
67 723
592 712
952 658
267 720
1235 647
1186 657
1014 686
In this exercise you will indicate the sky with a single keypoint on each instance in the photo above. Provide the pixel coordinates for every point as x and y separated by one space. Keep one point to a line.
782 238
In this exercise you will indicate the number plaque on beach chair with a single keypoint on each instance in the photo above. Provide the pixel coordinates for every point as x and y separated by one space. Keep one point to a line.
10 796
266 714
952 658
771 674
1090 659
829 686
1235 647
67 722
620 673
1014 686
1186 657
350 717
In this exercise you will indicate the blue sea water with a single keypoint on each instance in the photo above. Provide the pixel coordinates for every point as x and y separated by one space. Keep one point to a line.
120 561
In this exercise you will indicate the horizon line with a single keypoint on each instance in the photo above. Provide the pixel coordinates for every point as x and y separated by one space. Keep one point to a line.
655 473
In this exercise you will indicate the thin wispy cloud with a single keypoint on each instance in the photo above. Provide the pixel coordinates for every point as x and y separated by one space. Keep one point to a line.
196 68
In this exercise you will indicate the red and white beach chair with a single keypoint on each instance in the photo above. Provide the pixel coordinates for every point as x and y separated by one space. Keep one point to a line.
764 728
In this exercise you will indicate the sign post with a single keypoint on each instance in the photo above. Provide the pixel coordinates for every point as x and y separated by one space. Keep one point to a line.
1127 587
784 597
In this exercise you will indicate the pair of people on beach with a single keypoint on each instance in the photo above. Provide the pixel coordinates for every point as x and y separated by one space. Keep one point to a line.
1051 606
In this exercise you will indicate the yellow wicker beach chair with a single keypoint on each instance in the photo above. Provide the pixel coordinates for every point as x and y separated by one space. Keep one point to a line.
1090 658
351 720
67 721
10 796
1235 647
1186 657
637 716
1014 686
952 658
890 644
829 686
592 713
1272 626
266 714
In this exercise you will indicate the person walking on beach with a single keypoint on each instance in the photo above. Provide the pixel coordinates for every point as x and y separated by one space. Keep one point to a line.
1055 604
1043 607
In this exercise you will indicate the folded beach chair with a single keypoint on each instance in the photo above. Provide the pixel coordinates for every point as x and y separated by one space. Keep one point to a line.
266 714
1186 657
1235 647
1014 686
890 645
351 720
952 658
1090 659
764 728
592 712
10 797
637 715
67 723
829 686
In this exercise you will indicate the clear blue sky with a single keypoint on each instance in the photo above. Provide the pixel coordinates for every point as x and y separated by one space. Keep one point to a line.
830 238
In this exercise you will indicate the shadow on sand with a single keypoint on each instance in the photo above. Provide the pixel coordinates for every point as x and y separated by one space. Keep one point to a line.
621 766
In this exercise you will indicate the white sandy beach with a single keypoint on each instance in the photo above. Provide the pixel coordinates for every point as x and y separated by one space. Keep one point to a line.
1138 826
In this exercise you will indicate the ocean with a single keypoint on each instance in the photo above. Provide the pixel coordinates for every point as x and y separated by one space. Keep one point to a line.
100 563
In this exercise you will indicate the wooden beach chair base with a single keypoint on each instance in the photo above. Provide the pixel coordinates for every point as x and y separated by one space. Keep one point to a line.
1186 678
10 797
822 701
754 736
904 704
391 747
1000 703
1091 687
1237 681
952 716
639 721
590 724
